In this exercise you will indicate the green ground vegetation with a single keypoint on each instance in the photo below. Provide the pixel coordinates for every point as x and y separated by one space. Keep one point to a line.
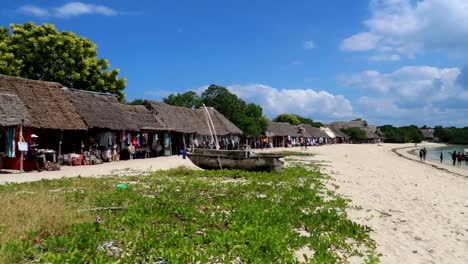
180 216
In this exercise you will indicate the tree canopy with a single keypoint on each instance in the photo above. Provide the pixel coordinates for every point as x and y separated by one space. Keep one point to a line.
43 53
452 135
248 117
355 133
188 99
296 120
288 118
405 134
138 101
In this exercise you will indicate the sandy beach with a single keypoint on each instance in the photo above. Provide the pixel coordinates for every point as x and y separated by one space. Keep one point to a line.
127 167
418 211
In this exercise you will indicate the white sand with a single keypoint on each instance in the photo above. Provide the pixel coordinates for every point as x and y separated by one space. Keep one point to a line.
419 213
126 167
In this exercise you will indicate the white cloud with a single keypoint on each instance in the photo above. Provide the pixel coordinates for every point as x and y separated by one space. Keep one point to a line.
412 95
360 42
412 27
305 102
310 44
157 94
385 57
71 9
34 10
410 83
77 9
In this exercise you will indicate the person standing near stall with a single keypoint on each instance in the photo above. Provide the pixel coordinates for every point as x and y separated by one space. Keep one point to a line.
32 151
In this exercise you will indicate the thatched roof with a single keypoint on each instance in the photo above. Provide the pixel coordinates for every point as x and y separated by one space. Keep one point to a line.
12 111
187 120
101 110
281 129
328 131
314 132
370 130
46 103
143 117
427 133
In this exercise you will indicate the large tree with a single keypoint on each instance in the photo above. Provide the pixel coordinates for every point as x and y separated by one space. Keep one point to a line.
288 118
188 99
43 53
248 117
296 120
356 134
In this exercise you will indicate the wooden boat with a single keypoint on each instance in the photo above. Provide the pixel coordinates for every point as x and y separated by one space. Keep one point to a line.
236 159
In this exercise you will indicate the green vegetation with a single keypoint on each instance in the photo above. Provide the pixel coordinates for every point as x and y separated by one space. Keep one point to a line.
188 99
355 133
288 118
180 216
296 120
406 134
136 102
452 135
43 53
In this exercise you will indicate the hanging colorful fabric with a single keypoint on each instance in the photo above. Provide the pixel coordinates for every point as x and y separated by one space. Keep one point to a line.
11 152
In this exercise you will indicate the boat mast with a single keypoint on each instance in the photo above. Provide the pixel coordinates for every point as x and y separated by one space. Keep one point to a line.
211 127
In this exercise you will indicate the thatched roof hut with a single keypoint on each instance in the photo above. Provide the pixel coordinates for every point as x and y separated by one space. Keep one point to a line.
46 103
143 117
222 125
314 132
13 112
427 133
187 120
102 111
282 129
370 130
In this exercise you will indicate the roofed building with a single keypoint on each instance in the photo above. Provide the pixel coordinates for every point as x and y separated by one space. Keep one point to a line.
282 134
371 131
189 126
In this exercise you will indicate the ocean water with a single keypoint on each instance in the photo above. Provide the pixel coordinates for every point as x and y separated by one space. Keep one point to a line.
434 153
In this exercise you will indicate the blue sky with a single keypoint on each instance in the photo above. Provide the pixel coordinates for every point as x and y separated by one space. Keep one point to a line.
389 61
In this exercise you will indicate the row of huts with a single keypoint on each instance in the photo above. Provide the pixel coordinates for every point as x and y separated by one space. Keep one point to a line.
75 121
284 134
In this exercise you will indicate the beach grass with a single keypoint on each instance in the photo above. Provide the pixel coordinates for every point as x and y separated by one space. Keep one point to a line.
181 216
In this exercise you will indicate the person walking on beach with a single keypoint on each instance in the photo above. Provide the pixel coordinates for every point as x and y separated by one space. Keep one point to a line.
424 153
454 157
441 156
421 154
459 158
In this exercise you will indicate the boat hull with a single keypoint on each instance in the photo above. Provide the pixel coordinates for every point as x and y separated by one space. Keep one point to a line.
242 160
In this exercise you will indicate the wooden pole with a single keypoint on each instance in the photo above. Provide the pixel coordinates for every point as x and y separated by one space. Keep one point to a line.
22 152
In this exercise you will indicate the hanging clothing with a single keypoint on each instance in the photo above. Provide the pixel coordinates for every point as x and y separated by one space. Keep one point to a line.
11 150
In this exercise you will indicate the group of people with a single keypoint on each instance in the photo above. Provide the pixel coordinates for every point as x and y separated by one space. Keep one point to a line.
457 157
422 154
